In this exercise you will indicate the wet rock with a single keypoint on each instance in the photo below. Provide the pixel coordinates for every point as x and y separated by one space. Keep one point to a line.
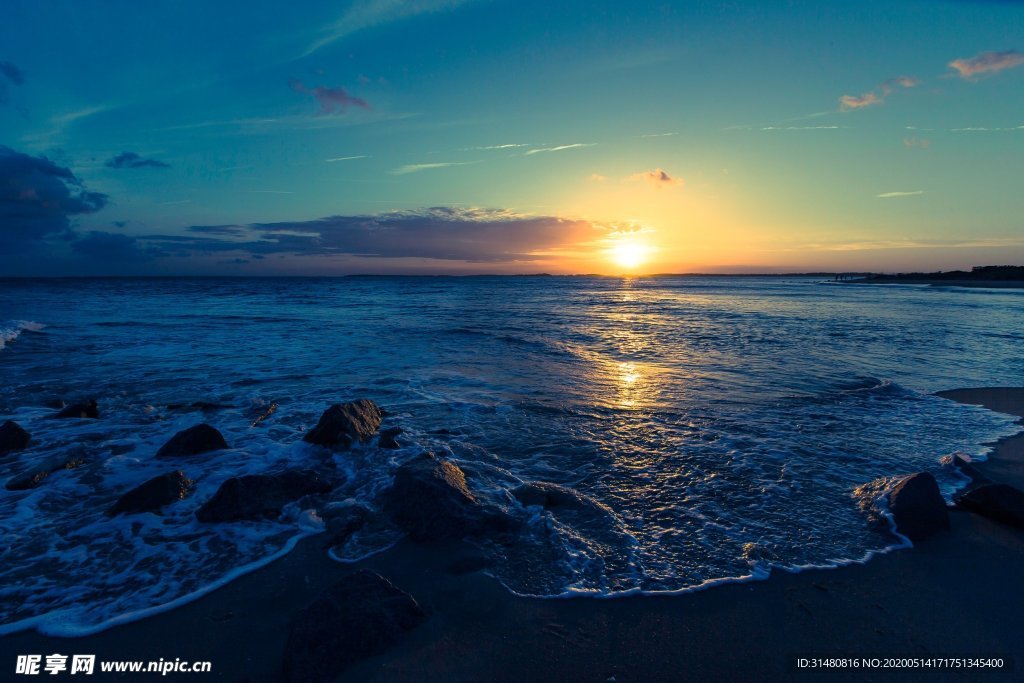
345 423
361 615
917 507
34 476
549 495
88 409
1000 502
13 438
201 438
270 410
430 501
967 467
342 520
259 496
387 438
153 494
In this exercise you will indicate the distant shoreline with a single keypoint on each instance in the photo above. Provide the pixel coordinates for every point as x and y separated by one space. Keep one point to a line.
881 280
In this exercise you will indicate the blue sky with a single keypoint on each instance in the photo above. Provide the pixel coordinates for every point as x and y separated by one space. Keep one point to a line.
449 136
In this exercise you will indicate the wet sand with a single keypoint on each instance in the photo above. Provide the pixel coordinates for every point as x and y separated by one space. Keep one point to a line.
951 596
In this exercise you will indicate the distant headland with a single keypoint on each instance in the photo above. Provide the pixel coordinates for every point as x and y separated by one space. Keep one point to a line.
978 276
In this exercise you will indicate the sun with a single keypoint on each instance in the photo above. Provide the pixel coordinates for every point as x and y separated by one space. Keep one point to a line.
629 255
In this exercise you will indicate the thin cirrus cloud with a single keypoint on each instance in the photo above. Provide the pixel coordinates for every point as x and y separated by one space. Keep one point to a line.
134 160
891 195
365 14
986 63
331 100
878 95
336 159
559 148
416 168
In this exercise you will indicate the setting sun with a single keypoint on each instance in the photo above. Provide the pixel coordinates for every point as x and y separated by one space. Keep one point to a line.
629 255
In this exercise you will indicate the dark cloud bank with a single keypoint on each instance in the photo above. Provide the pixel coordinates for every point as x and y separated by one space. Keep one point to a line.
40 202
133 160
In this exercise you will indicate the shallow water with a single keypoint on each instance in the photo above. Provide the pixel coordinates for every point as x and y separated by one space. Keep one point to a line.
716 427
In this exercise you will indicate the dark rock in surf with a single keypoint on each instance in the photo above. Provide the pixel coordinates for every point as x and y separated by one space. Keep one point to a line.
918 508
967 468
549 495
387 438
1000 502
343 424
430 501
153 494
359 616
342 520
81 410
13 438
34 476
259 496
201 438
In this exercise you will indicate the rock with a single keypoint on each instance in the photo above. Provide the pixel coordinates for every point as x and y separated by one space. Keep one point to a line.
359 616
89 409
968 469
917 507
153 494
387 438
430 501
270 410
201 438
345 423
549 495
35 475
1000 502
342 520
13 438
259 496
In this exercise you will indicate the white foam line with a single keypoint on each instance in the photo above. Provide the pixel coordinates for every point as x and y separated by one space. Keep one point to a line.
42 623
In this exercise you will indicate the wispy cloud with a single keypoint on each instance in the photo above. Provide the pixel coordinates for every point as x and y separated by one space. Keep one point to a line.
985 129
878 95
559 148
803 127
10 74
657 178
921 143
416 168
332 100
658 135
334 159
368 13
488 147
987 63
889 195
133 160
269 191
850 102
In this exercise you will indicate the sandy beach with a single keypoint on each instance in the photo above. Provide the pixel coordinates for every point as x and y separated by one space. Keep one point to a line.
951 596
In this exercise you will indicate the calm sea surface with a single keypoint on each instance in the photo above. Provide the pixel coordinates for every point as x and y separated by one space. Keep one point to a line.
716 428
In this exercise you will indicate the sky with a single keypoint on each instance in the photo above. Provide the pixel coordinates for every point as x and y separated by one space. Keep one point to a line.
499 136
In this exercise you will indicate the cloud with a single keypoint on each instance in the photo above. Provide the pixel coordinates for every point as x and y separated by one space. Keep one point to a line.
922 143
334 159
658 178
850 102
598 178
439 233
332 100
416 168
878 95
133 160
9 73
987 63
559 148
889 195
39 198
112 247
368 13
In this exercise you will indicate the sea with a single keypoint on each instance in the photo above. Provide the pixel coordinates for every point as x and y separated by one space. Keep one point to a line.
716 429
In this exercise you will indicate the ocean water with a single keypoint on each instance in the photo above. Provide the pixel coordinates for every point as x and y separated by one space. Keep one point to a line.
715 428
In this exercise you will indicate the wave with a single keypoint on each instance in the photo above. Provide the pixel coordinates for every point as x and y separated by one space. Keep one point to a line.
12 329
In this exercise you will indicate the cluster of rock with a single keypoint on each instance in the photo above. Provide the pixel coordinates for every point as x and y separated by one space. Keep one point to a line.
919 511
